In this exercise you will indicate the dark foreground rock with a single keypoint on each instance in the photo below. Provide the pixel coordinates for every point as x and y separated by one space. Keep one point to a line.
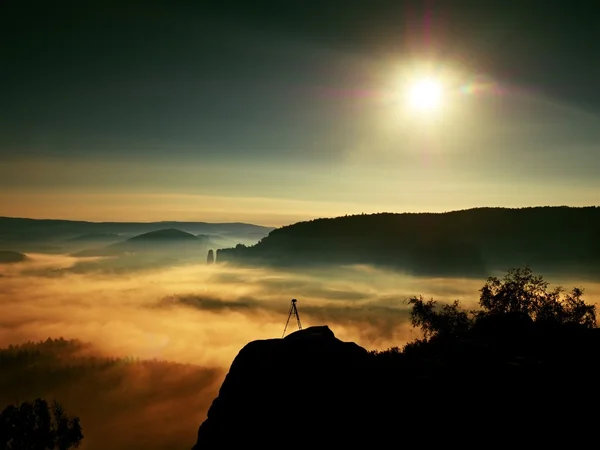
312 390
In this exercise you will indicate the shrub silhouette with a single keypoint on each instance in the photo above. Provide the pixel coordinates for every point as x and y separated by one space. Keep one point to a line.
520 296
38 426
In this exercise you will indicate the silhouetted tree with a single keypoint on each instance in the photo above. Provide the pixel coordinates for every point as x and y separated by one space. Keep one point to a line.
520 291
519 295
38 426
435 320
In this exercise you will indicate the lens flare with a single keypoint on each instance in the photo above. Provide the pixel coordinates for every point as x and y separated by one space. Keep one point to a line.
425 94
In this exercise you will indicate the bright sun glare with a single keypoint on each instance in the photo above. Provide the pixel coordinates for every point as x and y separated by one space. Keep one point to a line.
425 94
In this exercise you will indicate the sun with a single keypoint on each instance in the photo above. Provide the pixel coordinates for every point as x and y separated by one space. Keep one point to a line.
425 94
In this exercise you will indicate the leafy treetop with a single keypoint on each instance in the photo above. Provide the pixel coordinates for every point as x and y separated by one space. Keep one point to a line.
520 291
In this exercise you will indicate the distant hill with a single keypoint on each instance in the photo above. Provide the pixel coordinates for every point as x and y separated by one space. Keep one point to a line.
87 241
20 226
168 234
167 242
96 237
472 242
9 257
59 236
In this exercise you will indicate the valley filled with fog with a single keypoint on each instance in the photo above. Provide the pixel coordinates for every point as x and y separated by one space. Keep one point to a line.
145 350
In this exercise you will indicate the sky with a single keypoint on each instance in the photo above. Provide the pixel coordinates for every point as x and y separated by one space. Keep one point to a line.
272 112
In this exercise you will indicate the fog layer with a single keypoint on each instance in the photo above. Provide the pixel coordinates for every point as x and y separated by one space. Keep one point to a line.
196 317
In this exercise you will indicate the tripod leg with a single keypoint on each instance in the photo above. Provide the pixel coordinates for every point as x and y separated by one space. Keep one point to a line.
288 320
297 317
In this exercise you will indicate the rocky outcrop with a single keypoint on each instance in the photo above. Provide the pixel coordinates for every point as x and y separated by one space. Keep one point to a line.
210 259
294 389
312 390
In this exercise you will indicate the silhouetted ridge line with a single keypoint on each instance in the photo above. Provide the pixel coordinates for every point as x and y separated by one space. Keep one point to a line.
165 234
475 242
95 237
54 235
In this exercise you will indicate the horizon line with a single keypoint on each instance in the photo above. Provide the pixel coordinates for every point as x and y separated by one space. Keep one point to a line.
306 220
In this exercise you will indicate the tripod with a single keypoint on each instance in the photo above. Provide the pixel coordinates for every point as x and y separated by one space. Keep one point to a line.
293 312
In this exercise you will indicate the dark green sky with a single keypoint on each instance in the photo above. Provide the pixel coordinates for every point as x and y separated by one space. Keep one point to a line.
278 111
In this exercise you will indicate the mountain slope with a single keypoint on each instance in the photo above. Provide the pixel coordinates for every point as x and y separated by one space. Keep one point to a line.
36 235
110 393
74 227
472 242
165 235
168 241
95 237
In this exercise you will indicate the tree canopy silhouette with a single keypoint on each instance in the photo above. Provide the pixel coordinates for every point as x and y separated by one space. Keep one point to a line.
475 242
519 293
447 320
38 426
